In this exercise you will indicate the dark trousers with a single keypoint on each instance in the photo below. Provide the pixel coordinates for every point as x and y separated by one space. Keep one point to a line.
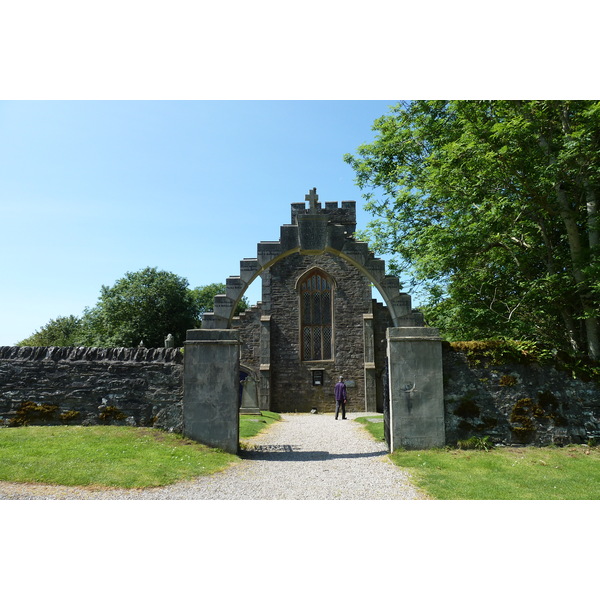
338 404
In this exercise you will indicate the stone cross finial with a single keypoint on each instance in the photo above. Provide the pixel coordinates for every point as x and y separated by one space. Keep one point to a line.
312 198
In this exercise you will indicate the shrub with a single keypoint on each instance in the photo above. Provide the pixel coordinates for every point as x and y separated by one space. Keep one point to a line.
476 443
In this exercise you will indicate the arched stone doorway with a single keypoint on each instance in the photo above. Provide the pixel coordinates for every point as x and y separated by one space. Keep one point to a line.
317 245
319 238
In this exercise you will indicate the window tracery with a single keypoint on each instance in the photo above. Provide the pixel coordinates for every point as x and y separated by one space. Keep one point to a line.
316 316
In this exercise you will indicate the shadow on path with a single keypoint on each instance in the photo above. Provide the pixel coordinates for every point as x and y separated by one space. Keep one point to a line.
285 452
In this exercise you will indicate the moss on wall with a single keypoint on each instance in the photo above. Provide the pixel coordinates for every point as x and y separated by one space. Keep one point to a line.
504 391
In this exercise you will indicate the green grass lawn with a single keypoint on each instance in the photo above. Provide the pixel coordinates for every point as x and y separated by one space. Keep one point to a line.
374 428
569 473
503 473
127 457
107 456
251 425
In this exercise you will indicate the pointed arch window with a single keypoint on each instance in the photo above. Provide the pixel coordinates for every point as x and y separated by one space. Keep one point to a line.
316 316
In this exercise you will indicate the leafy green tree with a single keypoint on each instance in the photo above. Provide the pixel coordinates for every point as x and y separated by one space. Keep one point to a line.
493 207
204 298
62 331
142 306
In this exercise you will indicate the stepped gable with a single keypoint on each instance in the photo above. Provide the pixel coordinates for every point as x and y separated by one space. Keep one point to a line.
314 230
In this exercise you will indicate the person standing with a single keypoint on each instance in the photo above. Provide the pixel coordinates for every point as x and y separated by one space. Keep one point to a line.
339 391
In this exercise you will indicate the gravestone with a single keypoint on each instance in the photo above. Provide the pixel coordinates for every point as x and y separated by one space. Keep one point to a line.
249 397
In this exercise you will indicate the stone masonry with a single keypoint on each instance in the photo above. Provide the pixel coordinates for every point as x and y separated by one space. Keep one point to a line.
292 383
91 386
514 403
318 239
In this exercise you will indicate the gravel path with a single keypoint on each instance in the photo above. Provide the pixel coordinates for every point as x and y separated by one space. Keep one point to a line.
302 457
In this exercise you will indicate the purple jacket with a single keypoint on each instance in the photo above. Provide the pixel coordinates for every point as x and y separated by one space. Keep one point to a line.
340 391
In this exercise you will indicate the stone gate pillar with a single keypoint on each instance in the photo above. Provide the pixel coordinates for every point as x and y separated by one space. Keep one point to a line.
211 388
416 388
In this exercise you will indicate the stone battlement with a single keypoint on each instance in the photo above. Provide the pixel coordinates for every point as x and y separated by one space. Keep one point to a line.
342 215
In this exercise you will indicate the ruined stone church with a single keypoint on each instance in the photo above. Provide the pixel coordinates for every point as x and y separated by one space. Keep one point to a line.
317 319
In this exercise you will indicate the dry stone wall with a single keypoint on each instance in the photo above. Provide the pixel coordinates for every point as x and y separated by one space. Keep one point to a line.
90 386
513 403
518 403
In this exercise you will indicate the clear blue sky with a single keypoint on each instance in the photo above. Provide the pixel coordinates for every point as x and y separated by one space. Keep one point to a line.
90 190
93 189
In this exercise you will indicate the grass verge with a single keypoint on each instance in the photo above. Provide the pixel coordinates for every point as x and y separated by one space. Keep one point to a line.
251 425
374 425
504 473
105 456
569 473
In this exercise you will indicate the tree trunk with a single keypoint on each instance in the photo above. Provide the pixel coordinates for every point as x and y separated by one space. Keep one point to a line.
571 329
592 214
591 327
594 238
569 218
575 248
